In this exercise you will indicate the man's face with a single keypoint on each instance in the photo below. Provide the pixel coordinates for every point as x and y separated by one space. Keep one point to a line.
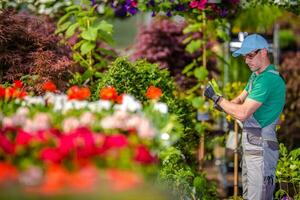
253 60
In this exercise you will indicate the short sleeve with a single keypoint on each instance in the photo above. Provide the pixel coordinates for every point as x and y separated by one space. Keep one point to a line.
260 91
248 83
247 87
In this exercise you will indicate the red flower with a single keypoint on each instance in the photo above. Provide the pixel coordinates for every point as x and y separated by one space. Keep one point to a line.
134 3
108 93
22 94
49 86
84 93
50 154
199 4
115 141
10 92
6 145
153 92
73 92
143 155
8 172
78 93
120 99
23 138
18 84
2 92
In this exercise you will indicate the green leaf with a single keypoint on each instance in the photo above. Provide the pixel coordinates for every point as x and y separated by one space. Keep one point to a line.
187 40
73 7
87 47
87 74
197 102
63 27
107 52
78 44
104 26
192 28
64 18
189 67
90 34
71 30
106 37
193 46
201 73
98 75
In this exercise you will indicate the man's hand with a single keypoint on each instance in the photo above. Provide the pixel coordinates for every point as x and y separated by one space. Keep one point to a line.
210 93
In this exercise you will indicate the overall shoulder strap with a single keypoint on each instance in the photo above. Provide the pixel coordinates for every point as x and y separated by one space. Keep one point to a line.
277 73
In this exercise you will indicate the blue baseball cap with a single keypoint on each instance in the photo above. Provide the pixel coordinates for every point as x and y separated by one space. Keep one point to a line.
251 43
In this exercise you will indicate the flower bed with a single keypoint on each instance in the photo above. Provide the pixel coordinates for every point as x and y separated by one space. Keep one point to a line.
56 142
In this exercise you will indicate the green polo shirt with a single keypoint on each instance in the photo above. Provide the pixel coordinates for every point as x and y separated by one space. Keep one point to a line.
269 89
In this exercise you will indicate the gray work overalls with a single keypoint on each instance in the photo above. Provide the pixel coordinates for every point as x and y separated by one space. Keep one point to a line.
260 156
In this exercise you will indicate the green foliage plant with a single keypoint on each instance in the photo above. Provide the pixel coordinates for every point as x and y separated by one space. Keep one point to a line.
288 173
90 29
178 168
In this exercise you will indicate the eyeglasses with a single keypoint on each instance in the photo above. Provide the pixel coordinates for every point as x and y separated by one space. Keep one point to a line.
252 55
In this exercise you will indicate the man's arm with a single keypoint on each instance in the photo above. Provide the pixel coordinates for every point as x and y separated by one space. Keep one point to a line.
240 111
241 98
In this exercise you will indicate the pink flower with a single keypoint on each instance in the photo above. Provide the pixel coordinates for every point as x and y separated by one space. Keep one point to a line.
66 144
194 4
70 124
199 4
143 155
6 145
23 138
87 147
115 141
50 154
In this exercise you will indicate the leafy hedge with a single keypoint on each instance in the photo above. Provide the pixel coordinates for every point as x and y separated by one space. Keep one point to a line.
179 163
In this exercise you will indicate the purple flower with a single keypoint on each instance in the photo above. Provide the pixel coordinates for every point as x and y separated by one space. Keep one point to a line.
121 11
169 14
153 14
223 12
151 3
179 7
132 10
93 2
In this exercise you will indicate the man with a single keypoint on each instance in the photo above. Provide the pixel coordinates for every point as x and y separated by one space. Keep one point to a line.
258 107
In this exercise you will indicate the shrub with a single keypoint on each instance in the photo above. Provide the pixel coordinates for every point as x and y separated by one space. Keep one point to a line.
28 46
290 70
134 79
162 42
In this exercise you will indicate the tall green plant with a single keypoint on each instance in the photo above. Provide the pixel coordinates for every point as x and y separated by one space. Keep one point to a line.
82 22
288 173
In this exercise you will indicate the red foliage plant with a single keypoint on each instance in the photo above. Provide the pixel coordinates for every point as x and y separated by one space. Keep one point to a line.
28 46
162 42
290 70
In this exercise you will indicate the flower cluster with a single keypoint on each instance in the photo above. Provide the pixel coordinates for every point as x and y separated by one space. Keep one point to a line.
125 8
58 130
13 92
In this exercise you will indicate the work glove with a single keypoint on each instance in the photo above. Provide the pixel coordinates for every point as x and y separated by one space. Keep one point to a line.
210 93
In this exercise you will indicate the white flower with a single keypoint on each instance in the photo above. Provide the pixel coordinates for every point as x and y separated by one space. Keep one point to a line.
98 106
87 119
161 107
108 122
22 111
165 136
129 104
7 122
34 100
70 124
145 130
